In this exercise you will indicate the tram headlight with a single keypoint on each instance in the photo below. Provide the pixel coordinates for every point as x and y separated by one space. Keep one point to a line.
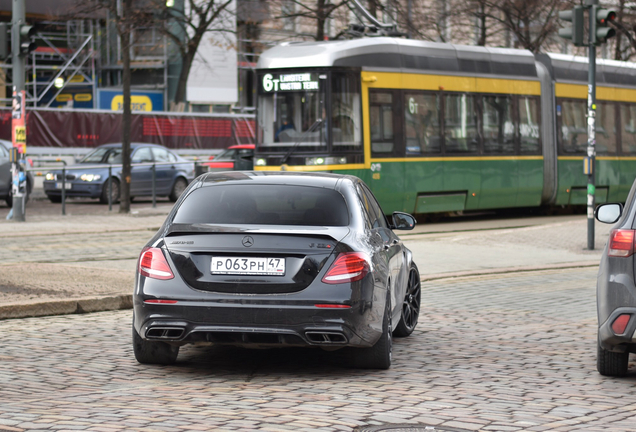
314 161
50 176
260 162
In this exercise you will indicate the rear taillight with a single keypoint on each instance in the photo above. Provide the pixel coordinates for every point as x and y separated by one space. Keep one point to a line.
153 264
348 267
621 243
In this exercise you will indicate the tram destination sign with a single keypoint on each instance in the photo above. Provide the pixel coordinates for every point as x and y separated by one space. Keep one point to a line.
288 82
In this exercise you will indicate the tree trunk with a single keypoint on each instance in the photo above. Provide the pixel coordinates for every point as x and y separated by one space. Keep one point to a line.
482 25
124 205
188 59
320 20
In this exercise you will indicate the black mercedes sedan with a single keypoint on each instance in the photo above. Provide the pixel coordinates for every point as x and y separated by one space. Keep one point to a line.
267 259
615 288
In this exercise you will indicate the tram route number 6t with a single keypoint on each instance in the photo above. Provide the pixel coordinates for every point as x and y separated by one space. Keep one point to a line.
412 106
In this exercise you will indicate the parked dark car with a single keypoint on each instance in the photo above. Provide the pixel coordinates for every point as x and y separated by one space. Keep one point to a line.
264 259
5 174
173 174
238 157
615 288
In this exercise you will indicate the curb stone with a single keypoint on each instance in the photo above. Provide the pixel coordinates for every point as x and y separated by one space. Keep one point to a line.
66 307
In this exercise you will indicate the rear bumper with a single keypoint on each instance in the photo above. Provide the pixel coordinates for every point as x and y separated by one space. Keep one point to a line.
618 342
268 325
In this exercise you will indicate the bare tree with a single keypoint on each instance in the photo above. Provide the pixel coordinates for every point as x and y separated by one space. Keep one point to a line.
624 44
318 11
532 22
126 18
199 17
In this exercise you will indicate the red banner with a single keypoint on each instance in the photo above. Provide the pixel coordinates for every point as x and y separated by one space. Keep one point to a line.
52 128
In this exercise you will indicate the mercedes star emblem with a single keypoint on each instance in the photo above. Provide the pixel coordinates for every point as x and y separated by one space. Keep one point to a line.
248 241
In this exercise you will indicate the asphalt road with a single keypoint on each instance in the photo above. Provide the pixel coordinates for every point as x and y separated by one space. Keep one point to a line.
495 353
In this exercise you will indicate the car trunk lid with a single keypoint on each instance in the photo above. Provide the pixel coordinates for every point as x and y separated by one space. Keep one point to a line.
251 261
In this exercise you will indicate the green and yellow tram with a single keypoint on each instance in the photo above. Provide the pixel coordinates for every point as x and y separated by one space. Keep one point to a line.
434 127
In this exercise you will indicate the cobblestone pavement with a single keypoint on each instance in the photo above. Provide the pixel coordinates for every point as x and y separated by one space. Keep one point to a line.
497 353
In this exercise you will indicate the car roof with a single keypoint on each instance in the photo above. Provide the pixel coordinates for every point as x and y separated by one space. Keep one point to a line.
325 180
133 145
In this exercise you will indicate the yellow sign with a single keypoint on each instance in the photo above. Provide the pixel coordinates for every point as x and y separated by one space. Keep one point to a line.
83 97
20 134
64 97
76 79
137 103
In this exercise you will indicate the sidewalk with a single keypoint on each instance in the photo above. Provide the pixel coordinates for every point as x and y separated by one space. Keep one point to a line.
57 264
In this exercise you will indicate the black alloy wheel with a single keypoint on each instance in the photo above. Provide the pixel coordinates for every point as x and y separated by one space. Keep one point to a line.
410 305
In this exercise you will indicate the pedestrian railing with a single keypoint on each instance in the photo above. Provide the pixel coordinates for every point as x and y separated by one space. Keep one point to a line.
198 169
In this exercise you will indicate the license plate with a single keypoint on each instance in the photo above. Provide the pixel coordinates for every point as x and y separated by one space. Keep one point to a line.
66 185
248 266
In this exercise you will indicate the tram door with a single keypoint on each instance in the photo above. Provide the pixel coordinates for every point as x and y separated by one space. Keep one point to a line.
387 142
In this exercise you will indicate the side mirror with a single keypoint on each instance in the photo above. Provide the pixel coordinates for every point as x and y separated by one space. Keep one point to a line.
608 213
403 221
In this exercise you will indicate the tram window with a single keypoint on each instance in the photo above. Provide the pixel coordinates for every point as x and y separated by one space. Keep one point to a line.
605 128
421 114
573 126
461 124
529 125
381 122
499 128
628 129
346 108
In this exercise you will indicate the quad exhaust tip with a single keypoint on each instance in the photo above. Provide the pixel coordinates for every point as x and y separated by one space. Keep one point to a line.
320 337
164 333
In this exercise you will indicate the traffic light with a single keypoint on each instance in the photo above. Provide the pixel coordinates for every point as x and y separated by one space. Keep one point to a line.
602 31
574 33
5 49
27 33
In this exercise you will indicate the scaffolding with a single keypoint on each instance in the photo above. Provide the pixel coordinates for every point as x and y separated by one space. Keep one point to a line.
85 55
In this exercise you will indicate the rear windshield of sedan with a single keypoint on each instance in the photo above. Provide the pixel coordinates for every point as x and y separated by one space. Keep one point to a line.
264 204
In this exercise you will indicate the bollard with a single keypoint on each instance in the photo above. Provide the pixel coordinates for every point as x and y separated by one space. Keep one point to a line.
154 186
110 188
63 191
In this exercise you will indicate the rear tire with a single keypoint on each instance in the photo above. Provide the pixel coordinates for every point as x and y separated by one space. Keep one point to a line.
379 355
147 352
179 186
609 363
114 192
410 305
